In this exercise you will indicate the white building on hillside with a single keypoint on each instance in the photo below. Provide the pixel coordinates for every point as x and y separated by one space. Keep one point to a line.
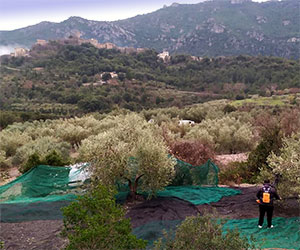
164 56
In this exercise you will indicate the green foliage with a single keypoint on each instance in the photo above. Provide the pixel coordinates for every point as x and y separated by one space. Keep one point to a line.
55 159
95 221
203 233
42 146
74 130
130 152
106 76
33 161
271 142
228 134
237 172
9 117
286 164
4 161
10 141
144 82
229 108
51 159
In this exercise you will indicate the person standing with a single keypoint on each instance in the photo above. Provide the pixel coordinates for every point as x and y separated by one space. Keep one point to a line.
265 195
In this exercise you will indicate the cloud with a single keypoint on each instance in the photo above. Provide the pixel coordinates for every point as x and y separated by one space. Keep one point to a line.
6 50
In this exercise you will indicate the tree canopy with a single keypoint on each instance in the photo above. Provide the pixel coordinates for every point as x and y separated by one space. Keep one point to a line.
130 152
287 165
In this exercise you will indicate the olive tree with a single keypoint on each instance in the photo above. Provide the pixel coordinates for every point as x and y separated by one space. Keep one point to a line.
42 146
228 134
10 141
130 152
287 165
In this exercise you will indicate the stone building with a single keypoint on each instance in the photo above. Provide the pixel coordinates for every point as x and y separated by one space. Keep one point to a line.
20 52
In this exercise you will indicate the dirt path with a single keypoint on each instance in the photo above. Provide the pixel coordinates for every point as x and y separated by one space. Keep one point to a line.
32 235
45 234
225 159
12 174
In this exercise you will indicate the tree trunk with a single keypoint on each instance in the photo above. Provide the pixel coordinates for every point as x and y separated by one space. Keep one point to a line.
132 196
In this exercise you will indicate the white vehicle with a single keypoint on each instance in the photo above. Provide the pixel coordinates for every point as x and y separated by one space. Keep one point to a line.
186 122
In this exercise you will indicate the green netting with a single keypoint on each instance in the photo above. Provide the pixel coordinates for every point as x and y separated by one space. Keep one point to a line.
40 193
285 233
46 183
198 195
42 183
32 194
19 212
187 174
186 184
152 231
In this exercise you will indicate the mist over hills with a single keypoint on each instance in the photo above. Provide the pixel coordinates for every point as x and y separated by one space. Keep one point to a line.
212 28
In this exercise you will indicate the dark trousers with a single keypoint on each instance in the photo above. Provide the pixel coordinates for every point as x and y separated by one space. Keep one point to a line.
265 209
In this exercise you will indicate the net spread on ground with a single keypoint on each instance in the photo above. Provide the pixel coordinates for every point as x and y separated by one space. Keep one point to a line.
40 194
285 234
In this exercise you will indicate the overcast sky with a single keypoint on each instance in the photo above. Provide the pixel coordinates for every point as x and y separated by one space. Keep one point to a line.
16 14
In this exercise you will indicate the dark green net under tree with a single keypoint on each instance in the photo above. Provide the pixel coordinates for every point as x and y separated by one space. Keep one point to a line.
187 174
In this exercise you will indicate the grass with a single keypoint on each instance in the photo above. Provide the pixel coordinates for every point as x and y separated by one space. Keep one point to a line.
284 100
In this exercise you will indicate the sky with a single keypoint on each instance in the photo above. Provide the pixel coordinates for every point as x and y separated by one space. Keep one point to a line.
16 14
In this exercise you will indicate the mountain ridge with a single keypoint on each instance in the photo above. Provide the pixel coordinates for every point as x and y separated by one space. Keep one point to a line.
213 28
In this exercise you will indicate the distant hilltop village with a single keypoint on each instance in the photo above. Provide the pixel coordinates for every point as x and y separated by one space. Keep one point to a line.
76 40
20 52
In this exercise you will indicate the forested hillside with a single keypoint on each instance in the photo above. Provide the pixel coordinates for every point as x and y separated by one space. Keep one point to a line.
72 79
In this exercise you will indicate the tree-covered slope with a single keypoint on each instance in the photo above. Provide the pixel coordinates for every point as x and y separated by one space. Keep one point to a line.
76 78
212 28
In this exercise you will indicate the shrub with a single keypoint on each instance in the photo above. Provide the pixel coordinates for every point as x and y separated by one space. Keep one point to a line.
33 160
55 159
271 142
237 172
52 159
95 221
203 233
229 108
192 151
